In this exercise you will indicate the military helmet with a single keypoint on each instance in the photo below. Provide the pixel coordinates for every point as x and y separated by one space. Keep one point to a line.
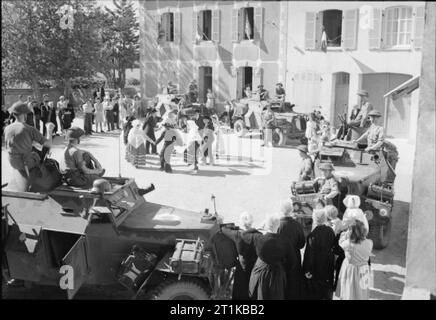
326 166
363 93
19 108
374 113
100 186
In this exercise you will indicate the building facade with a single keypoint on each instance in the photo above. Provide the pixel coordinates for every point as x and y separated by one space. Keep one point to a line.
374 46
228 45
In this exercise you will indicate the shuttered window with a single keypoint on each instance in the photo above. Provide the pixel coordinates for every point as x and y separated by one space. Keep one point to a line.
310 31
418 32
177 28
375 33
196 33
216 26
258 23
235 25
349 29
167 26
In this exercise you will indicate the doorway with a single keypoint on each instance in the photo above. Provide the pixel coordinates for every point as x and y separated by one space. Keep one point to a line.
340 105
245 79
205 82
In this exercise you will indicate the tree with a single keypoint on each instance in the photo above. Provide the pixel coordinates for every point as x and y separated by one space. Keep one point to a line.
36 48
122 43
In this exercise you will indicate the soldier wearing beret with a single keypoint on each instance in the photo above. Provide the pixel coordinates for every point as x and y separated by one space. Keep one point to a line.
375 134
19 137
82 167
306 171
328 186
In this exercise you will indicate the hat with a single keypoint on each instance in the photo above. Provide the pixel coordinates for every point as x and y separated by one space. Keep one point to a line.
19 108
260 86
61 97
207 118
100 186
326 166
74 133
374 113
303 148
363 93
279 84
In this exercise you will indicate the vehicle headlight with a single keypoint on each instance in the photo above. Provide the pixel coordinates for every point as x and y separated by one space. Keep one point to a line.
383 212
369 215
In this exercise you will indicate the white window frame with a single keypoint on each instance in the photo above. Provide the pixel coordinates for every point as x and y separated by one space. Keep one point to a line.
388 32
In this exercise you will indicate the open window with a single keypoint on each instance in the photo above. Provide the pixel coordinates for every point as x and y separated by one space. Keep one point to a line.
248 23
332 23
205 25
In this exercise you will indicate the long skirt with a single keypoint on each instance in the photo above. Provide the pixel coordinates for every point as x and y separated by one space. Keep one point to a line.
267 282
354 282
136 156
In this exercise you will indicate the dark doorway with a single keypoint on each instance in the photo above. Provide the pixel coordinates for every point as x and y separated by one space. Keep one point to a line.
245 79
205 82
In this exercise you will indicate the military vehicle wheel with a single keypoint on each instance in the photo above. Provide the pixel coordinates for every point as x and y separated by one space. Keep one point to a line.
380 234
278 138
180 290
239 128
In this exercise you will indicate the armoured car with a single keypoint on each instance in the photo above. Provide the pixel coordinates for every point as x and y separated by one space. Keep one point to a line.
114 236
366 174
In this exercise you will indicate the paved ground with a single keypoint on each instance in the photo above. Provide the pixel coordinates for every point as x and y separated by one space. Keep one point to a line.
239 185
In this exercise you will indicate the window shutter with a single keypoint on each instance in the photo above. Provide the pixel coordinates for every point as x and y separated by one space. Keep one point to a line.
258 23
194 26
235 25
177 27
257 76
216 25
349 29
318 29
158 23
418 30
375 34
310 31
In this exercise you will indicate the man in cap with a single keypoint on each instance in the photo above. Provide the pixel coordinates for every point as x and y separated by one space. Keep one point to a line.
280 92
328 186
263 93
375 134
306 171
361 122
81 166
19 137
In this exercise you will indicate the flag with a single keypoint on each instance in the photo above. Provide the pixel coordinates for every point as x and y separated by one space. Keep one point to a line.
198 34
247 28
324 41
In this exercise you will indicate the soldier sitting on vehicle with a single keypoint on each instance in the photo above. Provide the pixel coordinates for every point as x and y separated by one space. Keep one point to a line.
82 167
328 186
306 171
280 92
262 93
375 134
19 137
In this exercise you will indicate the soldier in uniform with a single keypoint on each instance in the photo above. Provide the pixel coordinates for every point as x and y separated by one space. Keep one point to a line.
306 171
360 124
82 167
19 137
375 134
328 186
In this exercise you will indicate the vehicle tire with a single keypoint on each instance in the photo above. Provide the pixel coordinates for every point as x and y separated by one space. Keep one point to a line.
380 234
185 289
239 128
278 138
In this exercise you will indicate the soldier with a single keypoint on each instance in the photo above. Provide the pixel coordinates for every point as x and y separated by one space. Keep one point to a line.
328 186
361 123
19 137
306 171
391 154
375 134
280 92
82 167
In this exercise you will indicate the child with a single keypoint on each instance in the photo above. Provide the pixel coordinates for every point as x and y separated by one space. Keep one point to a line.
332 216
208 140
219 142
353 212
355 275
135 152
126 128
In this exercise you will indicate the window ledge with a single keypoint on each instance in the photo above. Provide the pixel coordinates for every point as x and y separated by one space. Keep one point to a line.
205 43
408 48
